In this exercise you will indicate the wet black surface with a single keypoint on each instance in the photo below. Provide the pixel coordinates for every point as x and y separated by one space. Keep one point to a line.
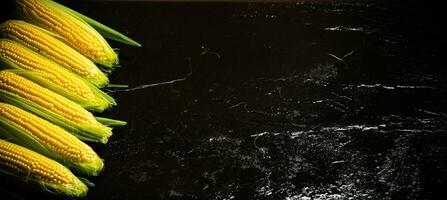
285 101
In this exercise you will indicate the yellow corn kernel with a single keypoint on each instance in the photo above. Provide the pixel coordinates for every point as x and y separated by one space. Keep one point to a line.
40 40
53 104
74 31
62 146
73 87
31 166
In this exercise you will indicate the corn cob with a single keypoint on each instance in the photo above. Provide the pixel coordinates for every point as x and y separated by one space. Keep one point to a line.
73 30
44 42
25 94
54 76
28 165
104 30
33 132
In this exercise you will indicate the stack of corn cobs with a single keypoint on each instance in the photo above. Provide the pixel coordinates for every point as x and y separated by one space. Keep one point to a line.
49 85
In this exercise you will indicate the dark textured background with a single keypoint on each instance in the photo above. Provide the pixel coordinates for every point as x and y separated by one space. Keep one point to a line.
269 112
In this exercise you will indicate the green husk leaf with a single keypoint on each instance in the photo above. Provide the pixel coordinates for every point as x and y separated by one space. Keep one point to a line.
110 122
86 182
101 28
86 133
6 64
4 136
117 86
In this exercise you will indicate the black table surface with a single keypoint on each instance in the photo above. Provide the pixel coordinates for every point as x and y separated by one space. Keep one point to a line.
342 100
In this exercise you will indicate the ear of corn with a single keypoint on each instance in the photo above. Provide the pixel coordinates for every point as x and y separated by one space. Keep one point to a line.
42 41
101 28
54 76
28 165
102 102
25 94
75 31
94 132
33 132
